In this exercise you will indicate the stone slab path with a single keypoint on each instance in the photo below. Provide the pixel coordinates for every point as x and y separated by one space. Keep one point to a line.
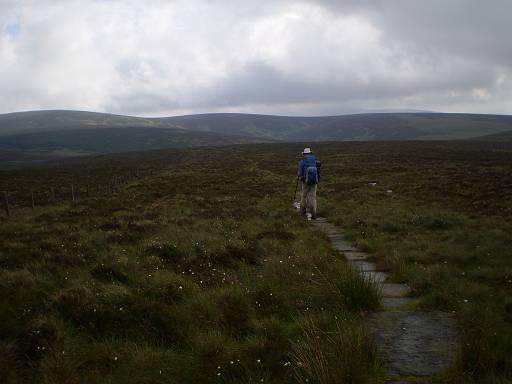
413 345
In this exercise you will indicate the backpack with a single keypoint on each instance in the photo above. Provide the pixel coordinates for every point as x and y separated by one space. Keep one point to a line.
311 171
311 175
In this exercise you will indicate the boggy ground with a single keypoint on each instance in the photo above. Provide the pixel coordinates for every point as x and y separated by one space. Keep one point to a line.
198 272
202 272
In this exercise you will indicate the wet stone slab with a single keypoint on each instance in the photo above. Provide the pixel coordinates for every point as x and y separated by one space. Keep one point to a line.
328 231
364 266
396 302
354 255
394 290
341 245
338 239
336 236
415 343
325 226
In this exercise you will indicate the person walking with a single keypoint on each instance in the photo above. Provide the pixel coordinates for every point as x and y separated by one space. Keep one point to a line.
309 174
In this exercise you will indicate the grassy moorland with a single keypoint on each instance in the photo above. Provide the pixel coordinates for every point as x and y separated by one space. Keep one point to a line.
197 272
201 272
440 218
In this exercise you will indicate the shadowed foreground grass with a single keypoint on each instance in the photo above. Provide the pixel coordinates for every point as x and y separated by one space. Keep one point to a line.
201 273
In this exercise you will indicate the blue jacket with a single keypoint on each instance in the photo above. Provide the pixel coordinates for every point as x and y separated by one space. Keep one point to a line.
307 161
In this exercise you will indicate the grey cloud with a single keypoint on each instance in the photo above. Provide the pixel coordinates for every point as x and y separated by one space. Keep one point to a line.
258 83
141 103
270 56
471 27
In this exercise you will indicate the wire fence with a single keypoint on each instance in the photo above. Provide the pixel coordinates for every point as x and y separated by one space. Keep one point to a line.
18 199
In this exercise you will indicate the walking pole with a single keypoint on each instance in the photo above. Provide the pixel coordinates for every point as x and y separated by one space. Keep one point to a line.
296 185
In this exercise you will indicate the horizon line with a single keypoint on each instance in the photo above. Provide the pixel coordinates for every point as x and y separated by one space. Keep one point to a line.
369 112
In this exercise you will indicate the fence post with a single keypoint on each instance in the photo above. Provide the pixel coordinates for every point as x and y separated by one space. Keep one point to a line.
6 202
32 200
72 192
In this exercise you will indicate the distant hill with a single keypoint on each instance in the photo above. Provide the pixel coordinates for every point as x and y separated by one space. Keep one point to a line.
28 148
502 136
42 135
366 126
363 126
59 120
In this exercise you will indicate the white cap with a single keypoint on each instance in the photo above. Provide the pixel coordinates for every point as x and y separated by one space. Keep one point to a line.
306 151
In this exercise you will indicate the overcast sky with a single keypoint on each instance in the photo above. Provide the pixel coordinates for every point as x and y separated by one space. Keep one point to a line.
155 58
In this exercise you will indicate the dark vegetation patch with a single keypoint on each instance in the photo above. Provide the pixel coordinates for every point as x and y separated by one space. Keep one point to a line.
109 274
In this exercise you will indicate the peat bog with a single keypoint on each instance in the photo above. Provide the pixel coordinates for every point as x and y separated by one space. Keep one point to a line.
200 271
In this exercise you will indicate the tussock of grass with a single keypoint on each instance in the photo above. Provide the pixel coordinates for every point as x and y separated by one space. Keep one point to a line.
345 288
397 266
342 353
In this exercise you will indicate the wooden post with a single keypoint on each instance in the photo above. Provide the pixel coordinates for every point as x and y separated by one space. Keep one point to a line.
6 202
72 192
52 193
32 200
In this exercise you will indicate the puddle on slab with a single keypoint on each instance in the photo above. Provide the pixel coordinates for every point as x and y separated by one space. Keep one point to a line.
412 343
